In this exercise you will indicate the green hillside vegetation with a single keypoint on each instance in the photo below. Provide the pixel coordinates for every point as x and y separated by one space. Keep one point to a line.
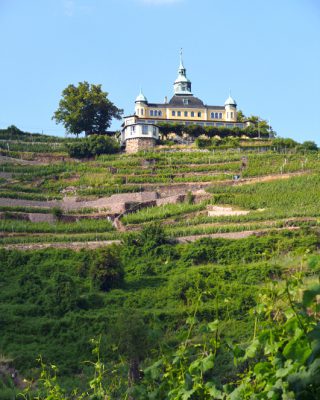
177 301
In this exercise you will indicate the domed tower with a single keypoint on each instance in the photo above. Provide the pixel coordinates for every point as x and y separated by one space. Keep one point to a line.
230 106
141 105
182 85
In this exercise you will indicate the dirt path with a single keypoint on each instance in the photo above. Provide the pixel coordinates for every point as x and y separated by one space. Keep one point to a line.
94 245
4 201
231 235
183 187
65 245
6 159
269 178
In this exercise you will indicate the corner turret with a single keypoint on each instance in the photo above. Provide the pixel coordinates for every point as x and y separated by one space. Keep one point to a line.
230 106
141 104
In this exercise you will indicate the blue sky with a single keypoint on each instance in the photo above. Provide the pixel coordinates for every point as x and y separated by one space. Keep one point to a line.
266 52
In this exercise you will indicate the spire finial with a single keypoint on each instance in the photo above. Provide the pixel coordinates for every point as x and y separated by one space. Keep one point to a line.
181 62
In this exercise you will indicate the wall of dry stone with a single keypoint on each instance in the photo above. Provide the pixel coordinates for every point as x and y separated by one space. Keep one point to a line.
139 144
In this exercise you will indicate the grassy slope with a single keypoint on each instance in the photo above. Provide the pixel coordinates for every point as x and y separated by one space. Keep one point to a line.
163 283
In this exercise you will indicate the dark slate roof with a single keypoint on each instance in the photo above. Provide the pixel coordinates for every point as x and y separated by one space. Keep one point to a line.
177 102
160 105
216 107
193 102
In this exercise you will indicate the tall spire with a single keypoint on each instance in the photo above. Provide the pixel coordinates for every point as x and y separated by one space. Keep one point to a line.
182 85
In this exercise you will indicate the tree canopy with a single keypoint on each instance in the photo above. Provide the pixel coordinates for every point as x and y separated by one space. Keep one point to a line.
86 108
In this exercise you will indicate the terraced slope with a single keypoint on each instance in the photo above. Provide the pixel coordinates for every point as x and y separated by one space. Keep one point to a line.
48 198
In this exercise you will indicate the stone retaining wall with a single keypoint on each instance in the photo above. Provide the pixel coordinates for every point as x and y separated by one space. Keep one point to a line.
138 144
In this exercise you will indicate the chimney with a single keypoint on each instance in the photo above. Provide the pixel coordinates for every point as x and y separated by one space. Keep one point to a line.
165 99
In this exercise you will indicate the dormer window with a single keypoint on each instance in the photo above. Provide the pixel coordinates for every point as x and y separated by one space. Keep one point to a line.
185 101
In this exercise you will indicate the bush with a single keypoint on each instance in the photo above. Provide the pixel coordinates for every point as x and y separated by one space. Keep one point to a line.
106 270
92 146
57 212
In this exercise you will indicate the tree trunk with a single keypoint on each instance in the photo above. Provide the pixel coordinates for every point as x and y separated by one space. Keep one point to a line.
133 374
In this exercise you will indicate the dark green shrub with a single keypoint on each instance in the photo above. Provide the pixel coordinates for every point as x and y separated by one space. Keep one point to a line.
62 296
106 269
57 212
189 197
93 145
152 236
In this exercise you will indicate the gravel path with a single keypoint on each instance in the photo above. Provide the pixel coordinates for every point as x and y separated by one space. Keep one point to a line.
65 245
231 235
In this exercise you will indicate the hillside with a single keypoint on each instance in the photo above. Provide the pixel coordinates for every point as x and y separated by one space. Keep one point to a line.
156 239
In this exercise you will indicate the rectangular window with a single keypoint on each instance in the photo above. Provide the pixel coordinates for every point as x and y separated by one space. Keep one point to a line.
232 115
192 113
186 113
159 113
173 113
199 114
185 102
144 129
151 113
179 113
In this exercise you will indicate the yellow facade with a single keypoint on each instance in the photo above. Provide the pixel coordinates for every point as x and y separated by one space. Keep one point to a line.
181 114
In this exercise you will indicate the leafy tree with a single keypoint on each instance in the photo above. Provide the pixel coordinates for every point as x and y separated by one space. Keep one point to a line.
86 108
240 116
133 341
284 143
309 146
106 269
13 130
261 124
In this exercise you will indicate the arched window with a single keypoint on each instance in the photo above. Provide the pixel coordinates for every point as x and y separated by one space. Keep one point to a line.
212 115
141 111
173 113
199 114
220 115
159 113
